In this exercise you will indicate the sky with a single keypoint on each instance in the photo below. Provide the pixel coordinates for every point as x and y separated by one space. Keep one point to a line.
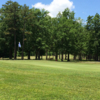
82 8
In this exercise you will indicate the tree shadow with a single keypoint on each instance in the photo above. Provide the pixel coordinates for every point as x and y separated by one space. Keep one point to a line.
59 60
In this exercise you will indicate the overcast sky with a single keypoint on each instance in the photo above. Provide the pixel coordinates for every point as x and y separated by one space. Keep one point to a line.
82 8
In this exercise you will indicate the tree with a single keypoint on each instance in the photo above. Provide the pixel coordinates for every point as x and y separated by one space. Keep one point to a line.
24 18
11 12
68 19
93 28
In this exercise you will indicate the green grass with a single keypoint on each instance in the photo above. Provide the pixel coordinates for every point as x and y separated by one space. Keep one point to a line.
49 80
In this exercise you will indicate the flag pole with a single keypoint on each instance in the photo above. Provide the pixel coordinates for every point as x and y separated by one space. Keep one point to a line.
19 46
18 51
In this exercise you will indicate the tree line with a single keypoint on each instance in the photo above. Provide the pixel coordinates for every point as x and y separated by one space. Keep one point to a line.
39 33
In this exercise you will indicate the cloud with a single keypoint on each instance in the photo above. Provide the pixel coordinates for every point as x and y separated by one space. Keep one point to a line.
55 6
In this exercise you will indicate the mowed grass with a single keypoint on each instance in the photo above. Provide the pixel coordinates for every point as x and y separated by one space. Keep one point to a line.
49 80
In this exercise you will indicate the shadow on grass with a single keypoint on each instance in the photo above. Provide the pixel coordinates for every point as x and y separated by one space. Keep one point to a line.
59 60
74 60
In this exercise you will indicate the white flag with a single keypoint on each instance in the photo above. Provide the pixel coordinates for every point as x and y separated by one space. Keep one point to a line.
19 45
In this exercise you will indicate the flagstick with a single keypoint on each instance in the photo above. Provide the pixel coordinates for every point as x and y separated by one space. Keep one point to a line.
19 45
18 50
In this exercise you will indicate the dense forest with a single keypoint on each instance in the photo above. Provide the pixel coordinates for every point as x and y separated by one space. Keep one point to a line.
39 33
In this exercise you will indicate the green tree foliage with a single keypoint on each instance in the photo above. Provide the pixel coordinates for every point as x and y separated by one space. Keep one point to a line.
10 13
40 34
93 28
24 19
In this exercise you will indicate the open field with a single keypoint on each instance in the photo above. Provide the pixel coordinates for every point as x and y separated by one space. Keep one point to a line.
49 80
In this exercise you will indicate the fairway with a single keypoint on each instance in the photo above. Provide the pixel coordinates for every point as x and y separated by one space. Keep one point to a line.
49 80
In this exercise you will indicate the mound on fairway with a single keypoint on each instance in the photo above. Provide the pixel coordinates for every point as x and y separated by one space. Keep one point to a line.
49 80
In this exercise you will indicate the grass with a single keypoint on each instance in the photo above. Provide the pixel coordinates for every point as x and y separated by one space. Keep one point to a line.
49 80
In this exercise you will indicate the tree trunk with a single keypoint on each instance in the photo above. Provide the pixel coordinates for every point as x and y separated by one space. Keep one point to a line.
74 57
38 54
53 55
14 39
68 57
65 56
80 57
83 56
96 57
23 50
10 54
49 54
96 54
28 54
99 58
90 57
62 56
14 45
59 55
46 54
23 43
56 56
86 58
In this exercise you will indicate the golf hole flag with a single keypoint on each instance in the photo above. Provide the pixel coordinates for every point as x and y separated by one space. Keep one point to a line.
19 45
